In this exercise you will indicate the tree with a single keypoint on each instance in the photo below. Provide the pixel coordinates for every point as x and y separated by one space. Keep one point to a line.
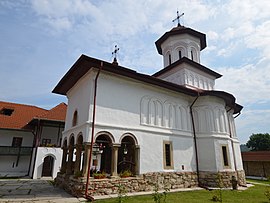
259 142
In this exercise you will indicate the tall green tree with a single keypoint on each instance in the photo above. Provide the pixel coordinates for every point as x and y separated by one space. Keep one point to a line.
259 142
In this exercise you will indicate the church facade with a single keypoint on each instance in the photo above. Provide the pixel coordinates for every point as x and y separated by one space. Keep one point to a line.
170 124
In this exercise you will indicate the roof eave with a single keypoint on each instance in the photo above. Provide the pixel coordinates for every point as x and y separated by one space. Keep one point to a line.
193 63
190 31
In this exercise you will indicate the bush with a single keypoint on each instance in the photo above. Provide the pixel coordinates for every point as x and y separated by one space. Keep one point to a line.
125 174
99 175
267 193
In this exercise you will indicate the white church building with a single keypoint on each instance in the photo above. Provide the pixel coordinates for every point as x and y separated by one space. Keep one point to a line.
171 127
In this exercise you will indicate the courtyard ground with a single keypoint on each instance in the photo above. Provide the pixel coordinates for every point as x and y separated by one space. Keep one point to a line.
29 190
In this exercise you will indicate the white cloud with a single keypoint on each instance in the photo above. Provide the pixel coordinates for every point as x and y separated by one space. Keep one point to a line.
250 84
212 35
252 121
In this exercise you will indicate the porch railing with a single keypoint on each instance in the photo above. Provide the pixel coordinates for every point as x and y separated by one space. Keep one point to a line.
14 151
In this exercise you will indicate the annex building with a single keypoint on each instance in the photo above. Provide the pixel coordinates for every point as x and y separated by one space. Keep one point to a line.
30 140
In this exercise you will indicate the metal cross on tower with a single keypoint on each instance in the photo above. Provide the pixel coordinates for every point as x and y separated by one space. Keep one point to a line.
114 53
178 18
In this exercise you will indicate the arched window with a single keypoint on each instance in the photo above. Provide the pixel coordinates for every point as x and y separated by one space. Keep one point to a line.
180 54
170 59
191 53
75 118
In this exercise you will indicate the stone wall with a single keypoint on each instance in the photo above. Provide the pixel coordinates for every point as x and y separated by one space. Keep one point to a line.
145 182
221 179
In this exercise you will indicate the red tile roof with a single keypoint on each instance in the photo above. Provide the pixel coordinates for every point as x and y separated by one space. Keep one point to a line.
57 113
256 156
22 114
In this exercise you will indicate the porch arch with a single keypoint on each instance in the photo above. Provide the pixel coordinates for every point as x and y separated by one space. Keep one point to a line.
70 164
78 154
104 140
128 154
64 158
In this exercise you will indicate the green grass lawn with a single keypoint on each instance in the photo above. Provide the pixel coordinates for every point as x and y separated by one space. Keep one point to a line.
253 194
258 181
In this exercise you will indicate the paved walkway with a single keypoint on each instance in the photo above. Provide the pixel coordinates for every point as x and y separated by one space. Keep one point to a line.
29 190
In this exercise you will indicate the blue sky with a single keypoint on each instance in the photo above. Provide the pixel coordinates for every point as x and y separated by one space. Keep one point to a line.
41 39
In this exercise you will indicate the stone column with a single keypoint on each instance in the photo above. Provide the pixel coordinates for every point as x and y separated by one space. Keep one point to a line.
137 160
87 147
78 159
64 160
114 161
70 157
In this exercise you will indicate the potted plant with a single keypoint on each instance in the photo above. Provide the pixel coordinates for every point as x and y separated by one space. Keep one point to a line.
99 175
125 174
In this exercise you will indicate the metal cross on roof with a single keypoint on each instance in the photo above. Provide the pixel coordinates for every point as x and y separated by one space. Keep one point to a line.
114 53
178 18
116 49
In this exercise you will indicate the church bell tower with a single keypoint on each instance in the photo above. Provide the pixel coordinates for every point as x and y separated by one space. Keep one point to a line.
181 48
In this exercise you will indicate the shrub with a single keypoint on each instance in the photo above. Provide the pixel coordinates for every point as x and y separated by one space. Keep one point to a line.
267 193
99 175
122 194
125 174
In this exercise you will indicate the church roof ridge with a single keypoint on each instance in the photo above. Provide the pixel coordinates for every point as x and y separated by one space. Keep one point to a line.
191 62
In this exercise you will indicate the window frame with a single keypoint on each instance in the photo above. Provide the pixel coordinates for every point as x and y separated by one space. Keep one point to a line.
15 142
225 157
46 141
165 166
75 118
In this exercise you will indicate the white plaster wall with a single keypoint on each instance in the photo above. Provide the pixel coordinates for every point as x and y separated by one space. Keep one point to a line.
151 147
118 111
42 152
6 137
210 117
219 157
8 166
185 74
79 98
8 163
51 133
206 154
237 151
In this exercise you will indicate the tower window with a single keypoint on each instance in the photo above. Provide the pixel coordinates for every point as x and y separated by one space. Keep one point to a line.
180 54
191 53
6 111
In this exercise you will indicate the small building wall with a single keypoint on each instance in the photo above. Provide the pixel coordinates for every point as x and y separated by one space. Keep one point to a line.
9 168
15 165
256 163
257 168
43 152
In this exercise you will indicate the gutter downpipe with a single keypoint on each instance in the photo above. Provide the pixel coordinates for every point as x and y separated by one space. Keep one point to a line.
195 139
36 147
230 131
31 153
92 134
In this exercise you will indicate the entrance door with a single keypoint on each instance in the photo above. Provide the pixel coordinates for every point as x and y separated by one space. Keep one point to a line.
47 168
